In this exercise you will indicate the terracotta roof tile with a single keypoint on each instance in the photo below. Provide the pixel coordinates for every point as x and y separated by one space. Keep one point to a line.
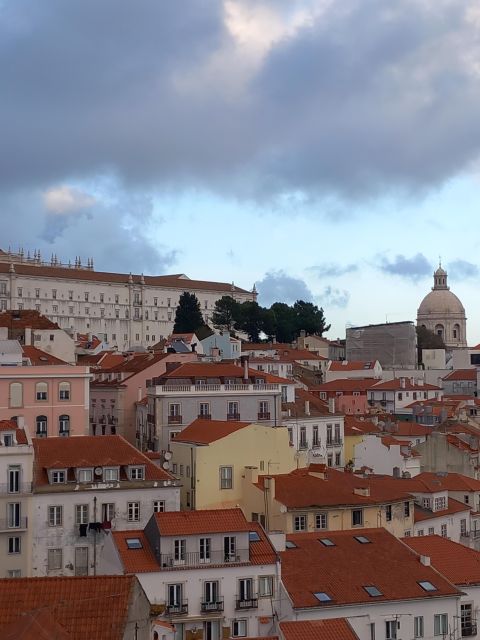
333 629
458 563
186 523
396 385
312 567
40 358
461 374
141 560
352 365
89 451
219 370
454 506
346 385
35 625
90 607
202 431
11 425
18 320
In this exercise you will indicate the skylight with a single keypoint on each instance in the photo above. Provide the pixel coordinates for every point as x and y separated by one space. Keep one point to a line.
427 586
290 545
134 543
362 539
253 536
321 596
373 591
326 542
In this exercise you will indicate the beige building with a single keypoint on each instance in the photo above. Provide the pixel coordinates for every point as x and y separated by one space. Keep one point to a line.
122 309
212 458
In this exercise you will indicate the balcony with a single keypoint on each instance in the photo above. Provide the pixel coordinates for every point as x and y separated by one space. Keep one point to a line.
264 415
212 606
178 609
334 443
303 444
22 487
246 603
233 416
175 389
195 559
204 416
174 419
20 523
469 629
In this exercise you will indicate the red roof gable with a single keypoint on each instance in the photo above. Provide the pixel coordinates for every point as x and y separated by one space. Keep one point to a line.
186 523
40 358
462 374
352 365
347 385
202 431
332 629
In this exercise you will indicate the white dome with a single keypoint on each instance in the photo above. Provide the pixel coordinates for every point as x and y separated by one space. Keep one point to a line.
442 302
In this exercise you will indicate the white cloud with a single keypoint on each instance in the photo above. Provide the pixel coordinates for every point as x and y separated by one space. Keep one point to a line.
66 200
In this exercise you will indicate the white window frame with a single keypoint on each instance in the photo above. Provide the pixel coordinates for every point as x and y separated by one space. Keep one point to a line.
226 477
158 506
418 627
440 624
55 515
133 511
239 628
265 586
300 522
81 513
84 475
54 559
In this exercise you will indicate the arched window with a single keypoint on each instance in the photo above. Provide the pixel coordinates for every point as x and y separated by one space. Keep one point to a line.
439 330
64 425
64 391
456 331
16 394
41 391
41 424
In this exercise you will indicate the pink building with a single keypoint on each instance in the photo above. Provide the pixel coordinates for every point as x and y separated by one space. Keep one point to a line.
347 396
116 390
53 400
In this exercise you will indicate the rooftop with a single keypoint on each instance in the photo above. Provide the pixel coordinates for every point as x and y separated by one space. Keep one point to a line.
212 370
453 506
352 365
17 320
202 431
332 629
346 385
39 358
461 374
404 384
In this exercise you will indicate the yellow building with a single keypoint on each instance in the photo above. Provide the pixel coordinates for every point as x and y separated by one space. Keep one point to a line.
320 498
211 458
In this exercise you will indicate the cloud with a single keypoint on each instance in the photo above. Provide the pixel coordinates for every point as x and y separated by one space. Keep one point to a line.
332 270
463 270
65 200
277 286
331 297
412 268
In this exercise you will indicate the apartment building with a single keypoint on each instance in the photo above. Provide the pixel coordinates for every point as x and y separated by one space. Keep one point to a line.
384 589
214 391
384 454
321 499
353 369
394 395
16 463
347 396
210 458
122 309
212 574
84 488
52 399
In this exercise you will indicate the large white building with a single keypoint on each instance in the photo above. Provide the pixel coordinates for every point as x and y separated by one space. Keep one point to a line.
122 309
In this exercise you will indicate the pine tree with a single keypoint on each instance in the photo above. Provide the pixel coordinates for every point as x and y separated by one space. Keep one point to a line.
188 317
226 313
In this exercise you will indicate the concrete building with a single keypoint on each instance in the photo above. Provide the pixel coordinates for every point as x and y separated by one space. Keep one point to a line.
345 395
394 344
222 346
392 396
212 574
123 310
462 382
384 454
84 488
443 313
353 369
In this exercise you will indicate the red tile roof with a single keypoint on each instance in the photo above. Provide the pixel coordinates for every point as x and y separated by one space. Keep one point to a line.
207 431
458 563
342 571
87 607
295 355
346 385
40 358
134 363
264 346
186 523
11 425
35 625
192 370
454 506
26 318
352 365
462 374
403 428
89 451
396 385
354 426
141 560
332 629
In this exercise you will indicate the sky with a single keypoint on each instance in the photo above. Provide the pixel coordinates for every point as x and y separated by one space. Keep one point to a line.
324 150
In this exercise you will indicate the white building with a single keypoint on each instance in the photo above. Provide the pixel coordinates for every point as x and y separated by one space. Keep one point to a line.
122 309
394 395
386 455
207 572
85 487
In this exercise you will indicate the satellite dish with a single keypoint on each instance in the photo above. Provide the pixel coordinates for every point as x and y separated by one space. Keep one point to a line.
167 455
98 471
166 465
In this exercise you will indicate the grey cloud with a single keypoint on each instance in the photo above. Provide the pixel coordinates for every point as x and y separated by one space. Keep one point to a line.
277 286
371 96
463 270
412 268
332 270
332 297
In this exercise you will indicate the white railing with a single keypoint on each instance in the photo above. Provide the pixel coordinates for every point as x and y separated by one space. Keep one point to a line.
219 388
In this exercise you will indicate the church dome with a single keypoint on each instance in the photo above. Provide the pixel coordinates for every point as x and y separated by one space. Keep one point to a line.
441 302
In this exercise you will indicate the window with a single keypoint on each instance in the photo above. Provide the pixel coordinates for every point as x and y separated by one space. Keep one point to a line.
321 596
315 438
14 545
239 628
13 515
64 391
16 394
263 408
102 297
443 530
373 591
108 511
463 527
70 295
265 586
41 391
13 479
85 475
420 532
440 503
226 477
229 548
158 506
406 509
110 474
19 292
182 469
211 592
55 516
372 630
362 539
64 424
388 513
303 438
391 627
337 459
117 299
70 311
426 503
54 310
431 531
81 514
134 543
37 293
8 440
233 409
58 477
205 547
418 627
467 621
137 473
440 624
357 517
300 522
321 521
330 460
427 585
133 511
86 296
41 426
155 302
54 559
81 561
290 436
466 499
14 573
245 589
180 548
174 410
204 410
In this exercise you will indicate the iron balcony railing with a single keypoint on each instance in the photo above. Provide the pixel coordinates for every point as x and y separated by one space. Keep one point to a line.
177 609
196 559
337 442
469 629
246 603
208 606
21 487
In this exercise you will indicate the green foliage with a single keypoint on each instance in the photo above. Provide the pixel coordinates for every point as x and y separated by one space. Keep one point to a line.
286 329
226 313
250 320
188 317
310 318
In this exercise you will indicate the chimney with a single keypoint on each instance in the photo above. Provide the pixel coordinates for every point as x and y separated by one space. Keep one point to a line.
420 382
362 491
402 383
425 560
307 407
28 336
139 394
20 422
331 405
251 474
244 363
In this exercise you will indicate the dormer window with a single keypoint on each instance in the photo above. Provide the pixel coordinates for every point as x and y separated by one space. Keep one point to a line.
59 476
8 440
85 475
111 474
137 473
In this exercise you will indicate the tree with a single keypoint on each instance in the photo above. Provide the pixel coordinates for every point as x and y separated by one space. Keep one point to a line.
251 320
285 327
310 318
188 316
226 313
269 323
